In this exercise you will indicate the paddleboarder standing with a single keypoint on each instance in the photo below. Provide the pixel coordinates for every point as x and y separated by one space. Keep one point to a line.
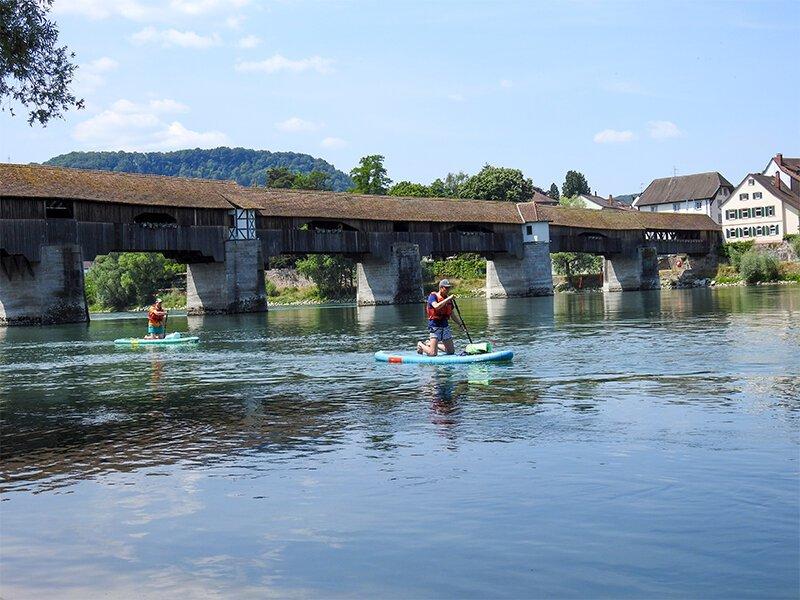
440 310
156 321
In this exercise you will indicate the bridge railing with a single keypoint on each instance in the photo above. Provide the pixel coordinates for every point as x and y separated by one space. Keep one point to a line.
681 246
587 244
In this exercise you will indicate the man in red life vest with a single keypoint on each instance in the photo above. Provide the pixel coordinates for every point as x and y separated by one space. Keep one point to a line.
440 311
156 321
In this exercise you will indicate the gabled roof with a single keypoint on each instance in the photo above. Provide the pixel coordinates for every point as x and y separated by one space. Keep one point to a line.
790 166
588 218
38 181
605 202
699 186
542 198
784 194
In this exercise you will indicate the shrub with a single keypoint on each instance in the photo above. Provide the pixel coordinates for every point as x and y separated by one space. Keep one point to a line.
733 251
794 242
332 274
462 266
756 266
271 288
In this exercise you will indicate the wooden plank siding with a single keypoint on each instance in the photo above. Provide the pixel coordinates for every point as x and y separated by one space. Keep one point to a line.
21 208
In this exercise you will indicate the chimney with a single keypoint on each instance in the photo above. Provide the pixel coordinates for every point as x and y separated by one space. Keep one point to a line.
779 158
610 197
777 179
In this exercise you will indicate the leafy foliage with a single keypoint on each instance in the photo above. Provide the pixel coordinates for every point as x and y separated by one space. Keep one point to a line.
282 177
450 187
759 266
733 251
497 183
462 266
333 275
34 71
407 188
574 184
553 193
794 242
247 167
369 177
123 280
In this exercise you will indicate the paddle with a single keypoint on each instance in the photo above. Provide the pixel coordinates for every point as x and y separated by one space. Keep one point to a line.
460 318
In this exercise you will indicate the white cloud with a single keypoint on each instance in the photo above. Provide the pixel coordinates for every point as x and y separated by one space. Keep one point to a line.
663 130
127 125
612 136
172 37
297 125
506 83
456 97
144 10
249 41
234 21
278 63
333 143
91 75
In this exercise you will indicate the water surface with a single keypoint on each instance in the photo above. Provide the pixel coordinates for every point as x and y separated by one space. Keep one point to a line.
640 445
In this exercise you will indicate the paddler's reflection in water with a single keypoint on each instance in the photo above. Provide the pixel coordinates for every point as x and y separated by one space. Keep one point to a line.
156 374
445 410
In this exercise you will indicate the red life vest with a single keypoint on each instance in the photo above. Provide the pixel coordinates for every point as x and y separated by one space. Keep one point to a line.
443 312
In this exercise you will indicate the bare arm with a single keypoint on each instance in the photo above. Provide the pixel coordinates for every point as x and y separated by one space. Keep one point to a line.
443 302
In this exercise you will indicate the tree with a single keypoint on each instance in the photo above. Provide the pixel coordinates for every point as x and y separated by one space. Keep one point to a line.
574 184
280 177
122 281
369 177
332 274
450 186
497 183
553 193
573 263
406 188
33 70
316 180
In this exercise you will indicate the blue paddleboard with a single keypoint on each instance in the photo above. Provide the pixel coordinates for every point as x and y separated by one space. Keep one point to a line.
442 359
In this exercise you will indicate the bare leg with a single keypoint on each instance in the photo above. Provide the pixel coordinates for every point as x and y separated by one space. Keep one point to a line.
449 346
431 348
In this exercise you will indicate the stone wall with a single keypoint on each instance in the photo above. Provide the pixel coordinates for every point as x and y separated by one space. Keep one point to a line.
395 279
531 275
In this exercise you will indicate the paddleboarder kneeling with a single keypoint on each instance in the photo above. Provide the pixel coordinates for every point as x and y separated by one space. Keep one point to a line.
156 321
440 311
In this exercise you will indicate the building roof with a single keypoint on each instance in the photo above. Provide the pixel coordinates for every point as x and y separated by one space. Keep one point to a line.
784 194
542 198
37 181
588 218
699 186
790 166
605 202
343 205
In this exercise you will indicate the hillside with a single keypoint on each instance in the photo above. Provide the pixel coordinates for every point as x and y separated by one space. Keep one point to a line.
247 167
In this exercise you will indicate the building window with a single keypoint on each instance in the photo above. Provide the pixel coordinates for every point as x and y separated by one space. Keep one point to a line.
770 211
652 209
676 206
732 232
774 229
529 229
756 195
751 181
744 196
698 204
759 210
744 213
759 230
730 215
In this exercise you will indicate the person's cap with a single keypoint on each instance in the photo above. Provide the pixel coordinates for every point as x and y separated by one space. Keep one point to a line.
445 283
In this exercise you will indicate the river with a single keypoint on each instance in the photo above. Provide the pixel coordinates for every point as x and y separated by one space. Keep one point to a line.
639 445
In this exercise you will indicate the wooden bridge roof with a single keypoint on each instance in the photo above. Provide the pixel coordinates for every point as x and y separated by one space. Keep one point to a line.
37 181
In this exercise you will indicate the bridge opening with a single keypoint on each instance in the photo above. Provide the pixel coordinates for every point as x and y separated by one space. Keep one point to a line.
321 226
155 219
58 209
469 228
400 227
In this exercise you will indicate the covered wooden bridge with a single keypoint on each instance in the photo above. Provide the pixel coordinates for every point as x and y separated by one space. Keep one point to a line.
52 219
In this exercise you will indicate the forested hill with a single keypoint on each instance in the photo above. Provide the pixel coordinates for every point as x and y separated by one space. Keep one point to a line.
247 167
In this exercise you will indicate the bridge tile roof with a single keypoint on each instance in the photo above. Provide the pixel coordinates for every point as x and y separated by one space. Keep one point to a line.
37 181
587 218
342 205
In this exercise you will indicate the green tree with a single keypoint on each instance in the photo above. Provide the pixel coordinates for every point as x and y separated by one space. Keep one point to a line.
315 180
369 177
553 193
121 281
333 275
407 188
280 177
34 71
757 266
575 263
574 184
498 183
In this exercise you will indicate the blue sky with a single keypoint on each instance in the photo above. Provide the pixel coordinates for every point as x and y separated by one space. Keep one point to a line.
623 91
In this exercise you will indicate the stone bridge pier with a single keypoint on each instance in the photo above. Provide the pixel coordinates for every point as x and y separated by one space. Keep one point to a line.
508 276
44 292
233 286
631 271
392 279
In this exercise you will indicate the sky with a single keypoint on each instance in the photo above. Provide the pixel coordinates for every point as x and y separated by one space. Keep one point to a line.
624 92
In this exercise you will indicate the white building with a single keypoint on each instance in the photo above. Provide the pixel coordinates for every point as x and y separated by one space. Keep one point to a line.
597 203
765 206
701 193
